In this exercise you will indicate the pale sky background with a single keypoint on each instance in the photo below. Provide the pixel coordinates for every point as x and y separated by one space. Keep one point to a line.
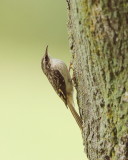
34 122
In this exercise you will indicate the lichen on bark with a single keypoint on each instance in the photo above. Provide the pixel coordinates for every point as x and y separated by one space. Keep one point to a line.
98 37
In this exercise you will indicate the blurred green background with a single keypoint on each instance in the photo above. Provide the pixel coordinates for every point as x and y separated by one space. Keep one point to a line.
34 122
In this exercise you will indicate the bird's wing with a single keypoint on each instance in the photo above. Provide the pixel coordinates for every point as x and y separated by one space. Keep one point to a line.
59 85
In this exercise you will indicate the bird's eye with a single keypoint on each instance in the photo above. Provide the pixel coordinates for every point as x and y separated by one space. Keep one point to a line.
46 58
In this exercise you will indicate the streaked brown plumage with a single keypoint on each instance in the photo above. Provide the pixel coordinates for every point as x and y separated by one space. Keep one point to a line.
58 75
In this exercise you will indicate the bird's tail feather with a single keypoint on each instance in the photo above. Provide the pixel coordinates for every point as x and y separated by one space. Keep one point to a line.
75 114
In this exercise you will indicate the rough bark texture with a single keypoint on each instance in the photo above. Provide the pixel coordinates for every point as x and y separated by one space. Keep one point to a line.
98 35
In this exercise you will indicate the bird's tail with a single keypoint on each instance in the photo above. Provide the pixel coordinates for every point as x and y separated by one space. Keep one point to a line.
75 114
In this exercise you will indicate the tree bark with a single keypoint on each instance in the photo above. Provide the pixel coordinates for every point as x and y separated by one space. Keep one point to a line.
98 36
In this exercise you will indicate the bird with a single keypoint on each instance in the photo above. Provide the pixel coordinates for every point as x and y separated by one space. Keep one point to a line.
58 75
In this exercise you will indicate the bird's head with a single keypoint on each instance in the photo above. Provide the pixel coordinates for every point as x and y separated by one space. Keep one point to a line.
45 63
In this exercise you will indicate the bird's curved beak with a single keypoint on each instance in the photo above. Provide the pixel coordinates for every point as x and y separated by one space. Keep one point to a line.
46 51
46 56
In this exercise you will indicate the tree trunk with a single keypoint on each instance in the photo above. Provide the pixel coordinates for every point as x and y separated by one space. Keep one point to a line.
98 36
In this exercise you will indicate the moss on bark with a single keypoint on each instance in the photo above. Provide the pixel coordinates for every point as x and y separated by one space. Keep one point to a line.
98 36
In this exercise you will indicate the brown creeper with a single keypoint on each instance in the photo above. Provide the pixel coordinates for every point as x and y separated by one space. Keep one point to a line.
59 77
